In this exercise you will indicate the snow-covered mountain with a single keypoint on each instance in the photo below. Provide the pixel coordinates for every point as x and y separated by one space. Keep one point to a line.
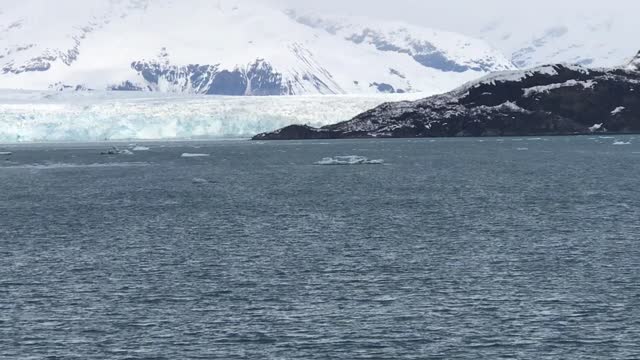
602 38
225 47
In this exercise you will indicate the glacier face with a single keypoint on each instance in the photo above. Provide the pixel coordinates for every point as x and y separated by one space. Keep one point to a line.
31 116
222 47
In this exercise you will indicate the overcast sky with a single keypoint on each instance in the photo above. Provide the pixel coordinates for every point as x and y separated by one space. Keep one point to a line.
466 15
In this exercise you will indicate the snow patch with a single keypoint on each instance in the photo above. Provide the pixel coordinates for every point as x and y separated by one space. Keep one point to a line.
546 88
618 110
595 127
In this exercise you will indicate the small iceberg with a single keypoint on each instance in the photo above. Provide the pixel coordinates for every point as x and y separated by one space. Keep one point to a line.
140 148
115 151
202 181
349 160
5 153
190 155
622 143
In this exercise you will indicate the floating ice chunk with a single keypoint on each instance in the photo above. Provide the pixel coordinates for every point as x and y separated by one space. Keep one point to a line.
141 148
522 149
202 181
190 155
622 143
115 151
385 298
349 160
5 153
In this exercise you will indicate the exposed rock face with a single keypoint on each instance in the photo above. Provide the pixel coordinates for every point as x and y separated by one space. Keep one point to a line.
548 100
258 78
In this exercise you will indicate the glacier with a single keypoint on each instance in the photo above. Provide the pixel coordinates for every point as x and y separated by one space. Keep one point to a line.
49 116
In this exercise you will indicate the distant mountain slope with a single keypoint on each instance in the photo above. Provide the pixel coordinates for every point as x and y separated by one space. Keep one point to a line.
222 47
580 36
547 100
441 50
634 64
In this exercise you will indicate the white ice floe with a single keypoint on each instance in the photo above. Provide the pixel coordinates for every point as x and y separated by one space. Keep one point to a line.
622 143
50 166
349 160
201 181
190 155
5 153
141 148
115 151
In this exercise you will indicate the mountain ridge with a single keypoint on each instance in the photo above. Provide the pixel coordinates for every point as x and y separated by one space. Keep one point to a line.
228 47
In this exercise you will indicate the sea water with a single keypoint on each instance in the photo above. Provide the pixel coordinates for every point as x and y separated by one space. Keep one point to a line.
445 248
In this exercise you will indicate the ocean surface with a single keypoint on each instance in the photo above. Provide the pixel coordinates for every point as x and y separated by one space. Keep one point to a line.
514 248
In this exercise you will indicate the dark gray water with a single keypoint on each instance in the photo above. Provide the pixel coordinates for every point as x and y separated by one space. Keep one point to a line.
455 249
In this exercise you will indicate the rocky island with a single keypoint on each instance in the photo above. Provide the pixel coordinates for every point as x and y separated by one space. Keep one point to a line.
556 99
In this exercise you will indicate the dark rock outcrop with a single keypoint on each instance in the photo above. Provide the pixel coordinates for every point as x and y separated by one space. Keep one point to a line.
548 100
258 78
